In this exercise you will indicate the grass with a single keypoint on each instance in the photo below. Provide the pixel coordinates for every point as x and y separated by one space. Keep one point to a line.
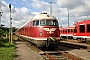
7 51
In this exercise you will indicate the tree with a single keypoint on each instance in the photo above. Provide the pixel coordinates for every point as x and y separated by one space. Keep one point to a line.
14 29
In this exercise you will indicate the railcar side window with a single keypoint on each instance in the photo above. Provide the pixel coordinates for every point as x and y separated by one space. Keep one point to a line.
68 30
71 30
88 27
82 28
63 31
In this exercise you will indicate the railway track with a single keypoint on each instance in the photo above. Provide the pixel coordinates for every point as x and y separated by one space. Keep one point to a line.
74 45
48 55
53 55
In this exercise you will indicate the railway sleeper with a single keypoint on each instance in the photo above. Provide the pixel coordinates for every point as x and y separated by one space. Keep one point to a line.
70 56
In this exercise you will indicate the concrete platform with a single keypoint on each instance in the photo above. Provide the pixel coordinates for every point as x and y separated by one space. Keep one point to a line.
82 53
25 53
75 43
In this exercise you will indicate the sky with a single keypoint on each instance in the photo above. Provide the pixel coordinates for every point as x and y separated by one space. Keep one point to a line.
23 10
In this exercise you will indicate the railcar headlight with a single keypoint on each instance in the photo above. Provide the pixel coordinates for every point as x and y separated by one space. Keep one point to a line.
40 33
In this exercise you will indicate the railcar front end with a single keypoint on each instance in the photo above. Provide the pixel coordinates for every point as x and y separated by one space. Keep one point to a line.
46 32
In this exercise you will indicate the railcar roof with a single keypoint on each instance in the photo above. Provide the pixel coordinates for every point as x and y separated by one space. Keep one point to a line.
40 17
70 27
44 16
84 22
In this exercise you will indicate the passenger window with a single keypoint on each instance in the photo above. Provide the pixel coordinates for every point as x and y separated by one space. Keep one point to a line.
68 30
82 28
63 31
88 27
71 30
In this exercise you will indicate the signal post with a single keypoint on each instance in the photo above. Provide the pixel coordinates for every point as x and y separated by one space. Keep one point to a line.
10 29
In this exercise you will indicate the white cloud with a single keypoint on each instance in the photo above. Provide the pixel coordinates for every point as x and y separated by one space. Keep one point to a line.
40 5
24 0
19 15
70 4
78 9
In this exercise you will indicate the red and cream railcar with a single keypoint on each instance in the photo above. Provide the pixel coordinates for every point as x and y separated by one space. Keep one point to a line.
67 32
42 30
82 29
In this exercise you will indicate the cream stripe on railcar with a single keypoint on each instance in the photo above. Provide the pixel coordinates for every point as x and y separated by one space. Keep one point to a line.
82 36
37 38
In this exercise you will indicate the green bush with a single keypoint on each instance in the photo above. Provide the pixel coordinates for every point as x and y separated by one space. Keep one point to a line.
7 51
1 42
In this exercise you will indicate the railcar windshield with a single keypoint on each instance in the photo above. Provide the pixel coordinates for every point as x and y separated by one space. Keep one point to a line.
75 29
48 23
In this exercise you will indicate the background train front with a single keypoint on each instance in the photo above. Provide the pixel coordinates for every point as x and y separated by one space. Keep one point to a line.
82 30
42 31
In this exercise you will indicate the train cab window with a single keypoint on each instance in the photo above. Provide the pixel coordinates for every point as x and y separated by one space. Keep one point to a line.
36 23
88 27
75 29
82 28
51 22
42 22
48 22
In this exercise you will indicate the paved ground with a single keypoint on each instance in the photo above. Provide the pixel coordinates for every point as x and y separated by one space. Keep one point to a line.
25 53
84 54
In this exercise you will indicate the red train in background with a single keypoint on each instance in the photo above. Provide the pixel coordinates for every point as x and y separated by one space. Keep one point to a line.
67 32
80 31
42 30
